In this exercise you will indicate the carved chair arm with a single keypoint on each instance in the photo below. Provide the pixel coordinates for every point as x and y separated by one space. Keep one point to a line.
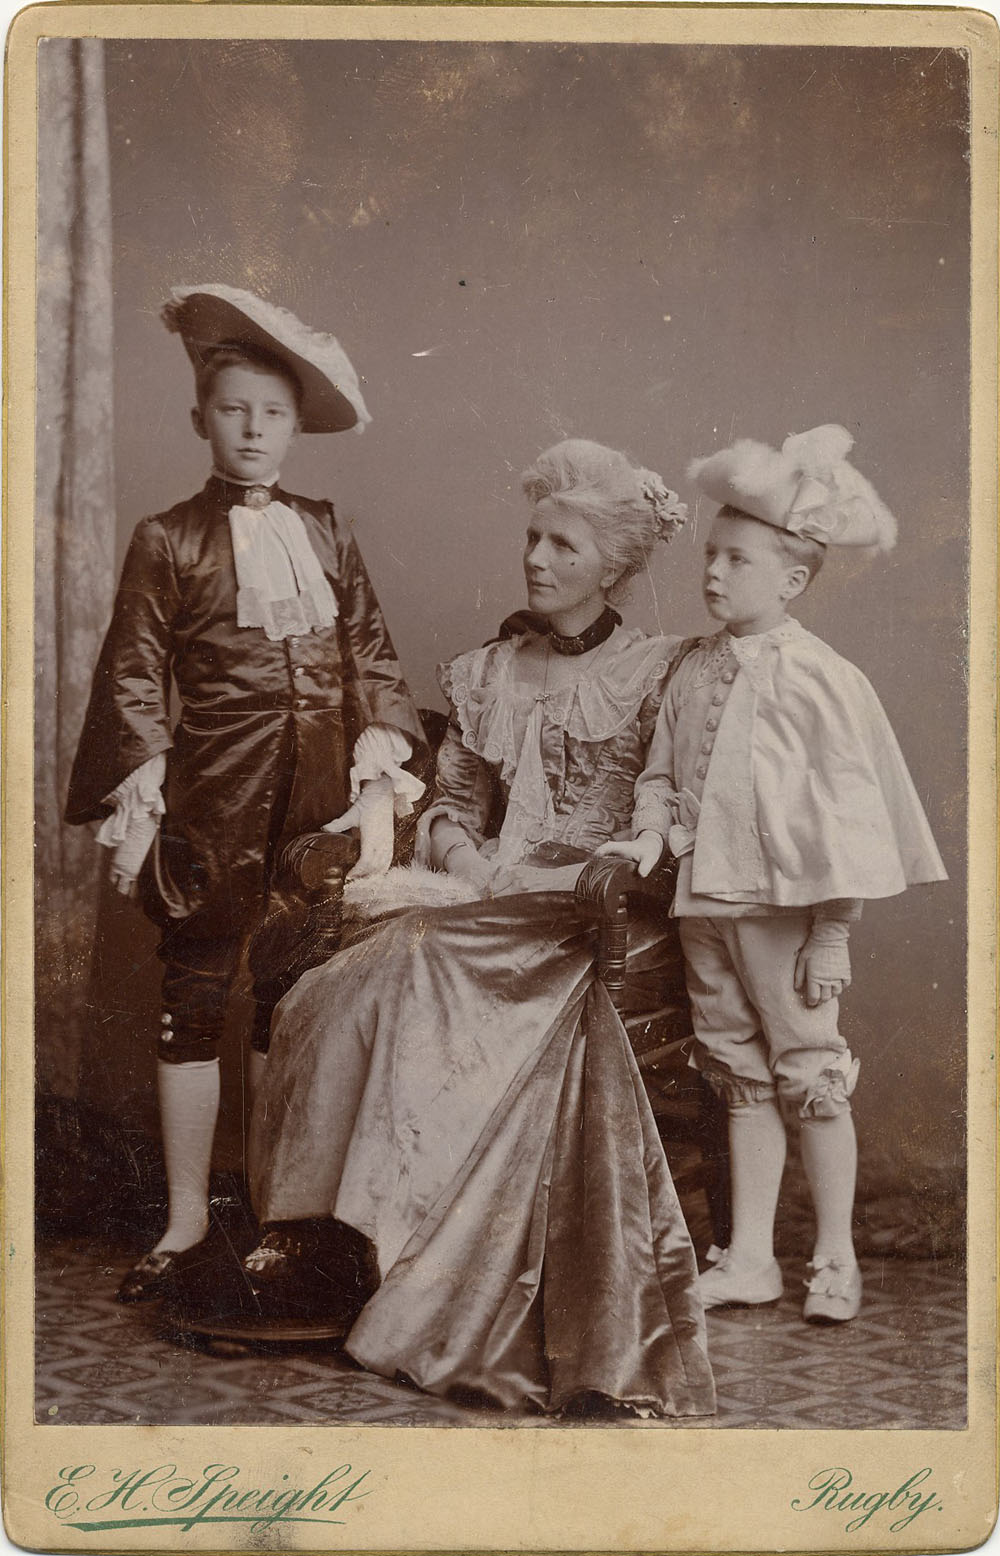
606 884
314 864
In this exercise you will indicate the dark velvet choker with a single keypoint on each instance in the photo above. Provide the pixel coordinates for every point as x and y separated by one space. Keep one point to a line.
598 632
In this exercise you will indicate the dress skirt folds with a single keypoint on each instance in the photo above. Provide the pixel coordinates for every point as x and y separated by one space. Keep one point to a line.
458 1087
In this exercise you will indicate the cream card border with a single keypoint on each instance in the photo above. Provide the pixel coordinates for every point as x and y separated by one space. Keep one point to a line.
470 1489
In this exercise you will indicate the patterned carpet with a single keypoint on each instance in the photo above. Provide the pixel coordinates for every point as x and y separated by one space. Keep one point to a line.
900 1364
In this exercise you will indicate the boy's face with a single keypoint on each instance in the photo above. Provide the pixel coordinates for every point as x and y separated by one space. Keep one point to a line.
250 418
747 582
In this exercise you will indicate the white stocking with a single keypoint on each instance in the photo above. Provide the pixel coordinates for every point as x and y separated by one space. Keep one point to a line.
757 1160
189 1107
830 1158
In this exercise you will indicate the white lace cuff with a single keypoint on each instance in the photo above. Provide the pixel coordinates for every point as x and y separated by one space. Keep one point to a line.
136 796
378 753
132 826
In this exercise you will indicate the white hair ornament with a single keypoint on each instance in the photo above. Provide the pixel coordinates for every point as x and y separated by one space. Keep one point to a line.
669 514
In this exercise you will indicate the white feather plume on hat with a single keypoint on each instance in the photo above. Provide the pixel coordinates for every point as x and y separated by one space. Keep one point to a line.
808 488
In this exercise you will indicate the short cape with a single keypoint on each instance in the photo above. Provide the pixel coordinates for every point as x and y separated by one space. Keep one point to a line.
807 796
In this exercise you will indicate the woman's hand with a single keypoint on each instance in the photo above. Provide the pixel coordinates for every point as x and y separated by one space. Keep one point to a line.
462 859
453 851
645 851
823 965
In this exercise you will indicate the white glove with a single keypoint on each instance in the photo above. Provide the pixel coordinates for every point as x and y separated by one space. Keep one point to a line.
372 812
823 965
130 830
645 850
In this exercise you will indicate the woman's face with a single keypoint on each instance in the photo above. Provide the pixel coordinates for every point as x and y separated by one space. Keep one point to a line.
563 567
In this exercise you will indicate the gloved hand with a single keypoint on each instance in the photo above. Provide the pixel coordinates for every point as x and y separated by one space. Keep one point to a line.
645 850
823 965
129 855
130 829
372 812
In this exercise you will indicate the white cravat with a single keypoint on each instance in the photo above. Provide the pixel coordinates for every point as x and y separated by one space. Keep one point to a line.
280 585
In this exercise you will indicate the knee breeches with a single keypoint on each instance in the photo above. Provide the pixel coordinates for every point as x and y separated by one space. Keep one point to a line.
756 1036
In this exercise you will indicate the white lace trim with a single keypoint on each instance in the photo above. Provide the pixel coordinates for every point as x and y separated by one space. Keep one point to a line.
491 706
135 820
746 649
281 586
378 752
722 651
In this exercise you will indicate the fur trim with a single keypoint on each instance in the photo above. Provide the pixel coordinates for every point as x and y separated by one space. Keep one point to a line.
808 488
854 508
748 472
406 886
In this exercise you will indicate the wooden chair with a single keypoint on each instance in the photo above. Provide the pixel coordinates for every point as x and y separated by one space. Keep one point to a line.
692 1120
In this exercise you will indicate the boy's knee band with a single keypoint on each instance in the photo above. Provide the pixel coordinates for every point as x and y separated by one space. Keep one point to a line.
750 1098
194 1013
831 1091
181 1044
737 1091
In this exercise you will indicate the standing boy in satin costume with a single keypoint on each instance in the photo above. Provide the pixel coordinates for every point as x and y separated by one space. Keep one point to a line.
256 607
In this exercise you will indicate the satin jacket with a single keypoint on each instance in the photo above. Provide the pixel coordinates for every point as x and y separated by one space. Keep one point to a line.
260 721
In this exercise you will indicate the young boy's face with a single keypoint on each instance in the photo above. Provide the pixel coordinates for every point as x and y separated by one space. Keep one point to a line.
250 418
747 581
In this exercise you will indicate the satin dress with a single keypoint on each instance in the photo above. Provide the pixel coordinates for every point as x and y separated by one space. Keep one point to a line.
458 1087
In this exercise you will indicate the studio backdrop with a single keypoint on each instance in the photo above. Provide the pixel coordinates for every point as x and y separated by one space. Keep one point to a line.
661 247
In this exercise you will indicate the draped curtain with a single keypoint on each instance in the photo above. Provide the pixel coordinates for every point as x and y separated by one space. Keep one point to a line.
74 525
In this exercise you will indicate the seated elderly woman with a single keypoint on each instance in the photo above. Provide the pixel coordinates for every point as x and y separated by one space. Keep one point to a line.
455 1086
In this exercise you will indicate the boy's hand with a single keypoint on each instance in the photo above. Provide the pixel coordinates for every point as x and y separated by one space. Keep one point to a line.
345 823
823 966
645 850
372 812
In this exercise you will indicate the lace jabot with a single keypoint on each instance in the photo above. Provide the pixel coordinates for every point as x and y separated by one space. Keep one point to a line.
281 586
491 704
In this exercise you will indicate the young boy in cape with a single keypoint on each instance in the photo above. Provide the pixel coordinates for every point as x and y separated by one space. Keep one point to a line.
775 779
256 606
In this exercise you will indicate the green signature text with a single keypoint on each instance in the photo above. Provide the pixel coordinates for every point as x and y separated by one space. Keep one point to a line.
84 1498
836 1491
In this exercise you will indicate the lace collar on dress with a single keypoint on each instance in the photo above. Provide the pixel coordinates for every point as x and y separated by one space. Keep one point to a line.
491 704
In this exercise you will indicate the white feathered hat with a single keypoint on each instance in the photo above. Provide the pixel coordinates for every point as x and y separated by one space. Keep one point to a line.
807 489
207 317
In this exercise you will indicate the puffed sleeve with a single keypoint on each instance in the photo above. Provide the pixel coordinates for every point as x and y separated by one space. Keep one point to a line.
128 716
382 694
463 791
